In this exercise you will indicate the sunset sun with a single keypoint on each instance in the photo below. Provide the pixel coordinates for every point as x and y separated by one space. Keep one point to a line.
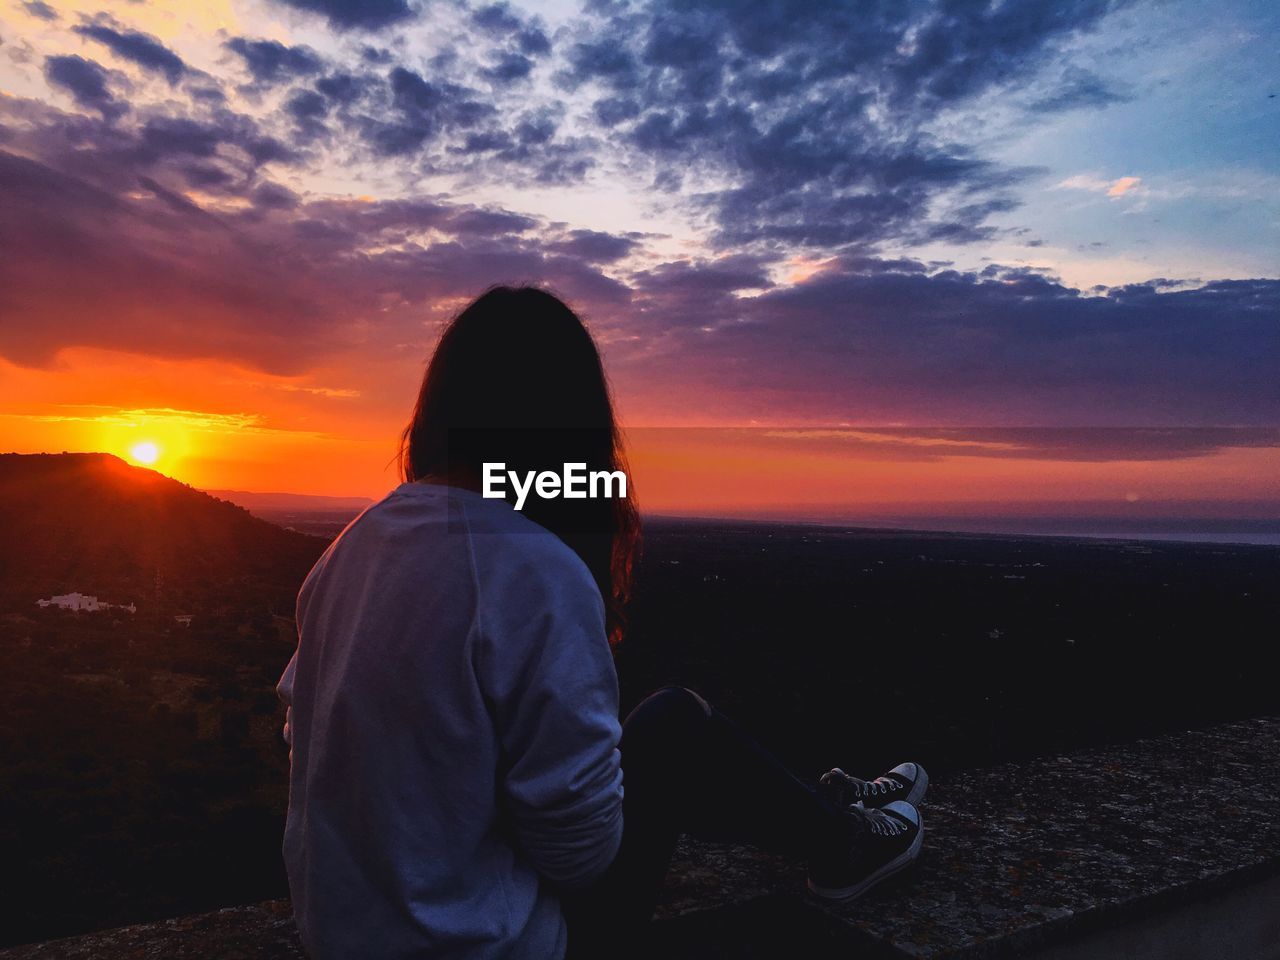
145 452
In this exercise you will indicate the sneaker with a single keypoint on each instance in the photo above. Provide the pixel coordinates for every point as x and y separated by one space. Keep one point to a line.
906 781
895 833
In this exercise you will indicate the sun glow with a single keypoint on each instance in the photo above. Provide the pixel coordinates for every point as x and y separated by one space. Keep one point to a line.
146 452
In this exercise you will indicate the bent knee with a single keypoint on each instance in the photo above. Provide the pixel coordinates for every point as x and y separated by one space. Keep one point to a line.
695 696
674 696
670 706
662 734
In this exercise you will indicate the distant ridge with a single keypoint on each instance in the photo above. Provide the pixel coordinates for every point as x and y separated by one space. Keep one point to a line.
254 501
93 523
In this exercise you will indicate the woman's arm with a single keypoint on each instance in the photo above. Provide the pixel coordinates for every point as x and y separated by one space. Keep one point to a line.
554 693
284 690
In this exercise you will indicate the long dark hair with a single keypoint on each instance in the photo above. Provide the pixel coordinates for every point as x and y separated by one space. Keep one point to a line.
516 378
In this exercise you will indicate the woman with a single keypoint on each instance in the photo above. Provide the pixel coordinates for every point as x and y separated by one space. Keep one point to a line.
457 764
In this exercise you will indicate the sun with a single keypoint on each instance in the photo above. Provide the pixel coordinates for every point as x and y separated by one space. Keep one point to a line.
145 452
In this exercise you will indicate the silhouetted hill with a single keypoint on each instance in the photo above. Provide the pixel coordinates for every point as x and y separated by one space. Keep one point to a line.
318 516
141 766
89 522
263 504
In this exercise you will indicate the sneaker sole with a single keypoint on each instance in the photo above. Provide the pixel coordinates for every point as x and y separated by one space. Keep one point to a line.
894 866
919 787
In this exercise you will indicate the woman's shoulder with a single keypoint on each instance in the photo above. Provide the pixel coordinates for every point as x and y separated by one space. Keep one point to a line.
442 522
502 535
508 547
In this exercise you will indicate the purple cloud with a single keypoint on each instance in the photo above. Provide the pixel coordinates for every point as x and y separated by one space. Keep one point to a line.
86 81
356 14
140 48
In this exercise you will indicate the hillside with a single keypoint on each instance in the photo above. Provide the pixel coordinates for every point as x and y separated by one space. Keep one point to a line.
317 516
264 503
141 767
91 523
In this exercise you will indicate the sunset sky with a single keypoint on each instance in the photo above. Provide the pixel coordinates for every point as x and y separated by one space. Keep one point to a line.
895 254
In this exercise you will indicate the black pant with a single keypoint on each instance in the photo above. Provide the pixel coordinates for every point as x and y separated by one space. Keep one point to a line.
689 769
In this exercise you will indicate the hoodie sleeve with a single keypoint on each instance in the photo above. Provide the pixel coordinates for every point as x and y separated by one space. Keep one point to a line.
545 663
284 690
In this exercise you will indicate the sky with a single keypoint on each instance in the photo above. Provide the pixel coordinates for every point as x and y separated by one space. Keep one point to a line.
869 255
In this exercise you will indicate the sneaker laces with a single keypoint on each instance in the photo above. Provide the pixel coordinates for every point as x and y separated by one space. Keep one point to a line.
882 824
860 789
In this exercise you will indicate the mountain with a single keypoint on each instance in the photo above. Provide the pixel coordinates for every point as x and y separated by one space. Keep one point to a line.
319 516
90 522
264 503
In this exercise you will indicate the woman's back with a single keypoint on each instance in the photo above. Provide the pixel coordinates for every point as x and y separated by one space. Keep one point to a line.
453 725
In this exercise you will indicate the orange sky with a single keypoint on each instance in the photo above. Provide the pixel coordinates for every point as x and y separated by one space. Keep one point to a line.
735 471
217 426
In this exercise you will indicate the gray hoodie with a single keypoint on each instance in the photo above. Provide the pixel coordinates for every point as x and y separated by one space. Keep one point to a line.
453 730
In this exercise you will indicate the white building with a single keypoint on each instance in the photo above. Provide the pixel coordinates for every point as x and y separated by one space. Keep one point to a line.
72 601
80 602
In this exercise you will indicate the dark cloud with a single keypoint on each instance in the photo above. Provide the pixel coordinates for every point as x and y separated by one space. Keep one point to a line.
694 283
206 94
148 275
818 113
309 109
205 176
376 56
527 150
1078 87
356 14
594 246
961 49
535 129
509 68
272 196
126 261
163 137
499 21
864 340
345 88
395 221
1103 444
438 103
219 151
167 136
612 111
176 201
272 62
1071 444
304 105
423 111
40 9
140 48
86 81
487 142
533 41
431 116
602 59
